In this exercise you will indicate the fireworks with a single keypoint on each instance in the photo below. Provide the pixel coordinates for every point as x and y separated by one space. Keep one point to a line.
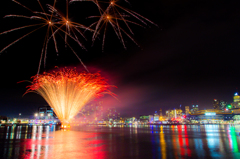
59 26
54 22
115 16
67 91
111 13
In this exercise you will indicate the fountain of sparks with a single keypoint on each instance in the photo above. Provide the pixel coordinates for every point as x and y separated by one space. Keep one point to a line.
68 91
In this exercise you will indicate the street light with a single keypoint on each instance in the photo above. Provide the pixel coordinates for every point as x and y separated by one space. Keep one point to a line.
36 114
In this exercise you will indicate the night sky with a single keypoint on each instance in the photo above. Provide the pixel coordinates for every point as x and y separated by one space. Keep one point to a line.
191 57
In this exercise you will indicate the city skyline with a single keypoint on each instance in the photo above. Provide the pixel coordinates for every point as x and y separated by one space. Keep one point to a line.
192 56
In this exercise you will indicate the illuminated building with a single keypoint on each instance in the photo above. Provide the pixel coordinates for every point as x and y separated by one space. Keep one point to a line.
194 108
45 115
160 112
151 119
144 118
236 118
156 117
212 115
129 120
236 98
236 101
3 119
45 112
219 104
175 113
186 110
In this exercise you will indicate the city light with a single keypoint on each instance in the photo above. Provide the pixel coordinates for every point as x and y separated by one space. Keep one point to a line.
36 114
210 113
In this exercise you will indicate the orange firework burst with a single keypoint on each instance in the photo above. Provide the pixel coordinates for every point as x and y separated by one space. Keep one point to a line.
67 91
54 22
115 16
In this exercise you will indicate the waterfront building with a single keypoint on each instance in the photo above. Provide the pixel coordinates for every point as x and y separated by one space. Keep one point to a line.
219 104
162 118
175 113
236 111
236 98
236 101
186 110
45 112
194 108
45 115
144 118
3 119
130 120
151 118
211 116
160 112
156 117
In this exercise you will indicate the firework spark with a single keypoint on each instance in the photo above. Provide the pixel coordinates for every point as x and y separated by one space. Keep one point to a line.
68 91
115 16
54 22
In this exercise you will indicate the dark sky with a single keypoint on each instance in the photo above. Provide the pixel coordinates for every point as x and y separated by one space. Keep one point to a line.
191 57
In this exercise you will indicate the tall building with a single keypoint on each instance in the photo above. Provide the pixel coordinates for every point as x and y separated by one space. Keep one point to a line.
236 101
194 108
236 98
156 116
151 119
175 113
186 110
160 112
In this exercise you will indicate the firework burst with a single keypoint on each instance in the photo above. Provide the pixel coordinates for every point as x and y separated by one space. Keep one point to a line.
116 16
55 23
58 25
68 91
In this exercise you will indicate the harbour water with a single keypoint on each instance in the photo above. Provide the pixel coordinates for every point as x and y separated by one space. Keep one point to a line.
121 142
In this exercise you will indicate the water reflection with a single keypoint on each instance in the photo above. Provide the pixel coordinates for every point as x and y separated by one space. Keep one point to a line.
136 141
16 140
162 143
